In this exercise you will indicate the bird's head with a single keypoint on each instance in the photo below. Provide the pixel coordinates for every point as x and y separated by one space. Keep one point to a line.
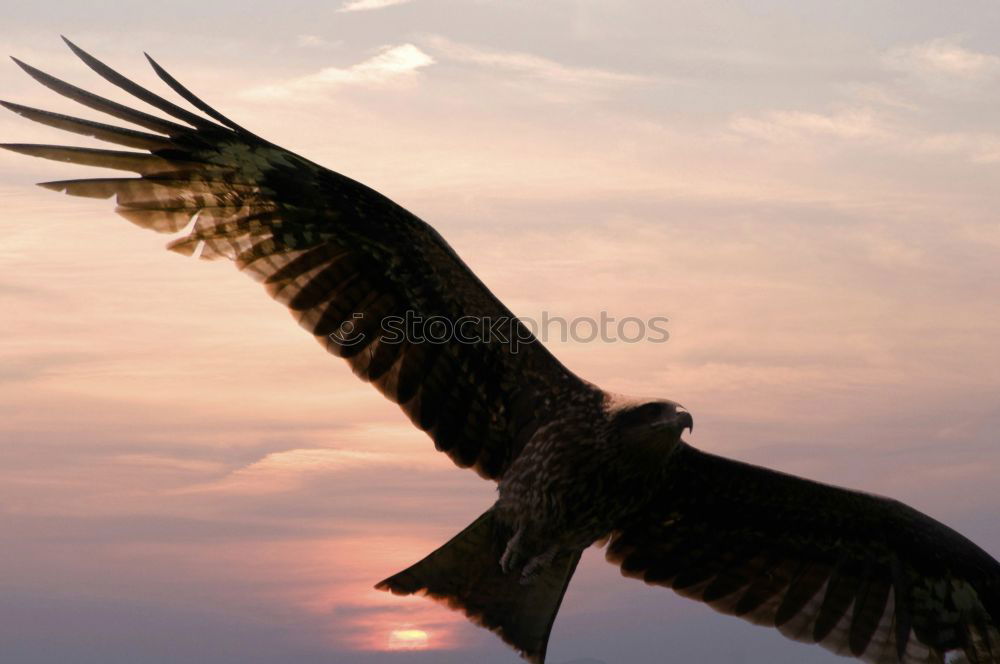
658 423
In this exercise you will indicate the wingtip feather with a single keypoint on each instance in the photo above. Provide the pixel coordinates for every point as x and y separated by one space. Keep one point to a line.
133 88
14 147
77 188
51 186
33 72
23 65
193 99
79 52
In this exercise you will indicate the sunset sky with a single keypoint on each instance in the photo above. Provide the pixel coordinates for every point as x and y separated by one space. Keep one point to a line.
808 191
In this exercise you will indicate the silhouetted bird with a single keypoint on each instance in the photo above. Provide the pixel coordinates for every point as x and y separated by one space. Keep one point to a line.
858 574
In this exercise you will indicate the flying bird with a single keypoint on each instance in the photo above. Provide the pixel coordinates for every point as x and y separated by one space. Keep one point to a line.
859 574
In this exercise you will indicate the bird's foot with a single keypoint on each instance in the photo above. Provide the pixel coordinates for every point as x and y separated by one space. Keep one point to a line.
537 564
517 558
512 557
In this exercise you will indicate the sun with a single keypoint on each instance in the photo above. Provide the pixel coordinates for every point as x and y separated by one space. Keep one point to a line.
407 639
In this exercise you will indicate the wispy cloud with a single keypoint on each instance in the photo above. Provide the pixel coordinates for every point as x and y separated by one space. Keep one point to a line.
979 147
784 126
529 65
942 56
891 116
391 65
280 471
367 5
865 126
313 41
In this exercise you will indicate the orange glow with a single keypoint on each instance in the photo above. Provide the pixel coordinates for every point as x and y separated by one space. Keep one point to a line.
407 639
323 577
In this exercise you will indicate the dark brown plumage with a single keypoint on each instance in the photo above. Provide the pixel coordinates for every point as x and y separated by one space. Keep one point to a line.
861 575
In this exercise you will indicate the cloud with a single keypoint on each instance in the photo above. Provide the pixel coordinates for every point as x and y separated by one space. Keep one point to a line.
864 126
367 5
942 56
531 66
392 65
281 471
313 41
785 126
978 147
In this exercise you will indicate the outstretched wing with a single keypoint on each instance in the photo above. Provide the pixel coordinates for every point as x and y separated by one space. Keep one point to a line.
861 575
357 271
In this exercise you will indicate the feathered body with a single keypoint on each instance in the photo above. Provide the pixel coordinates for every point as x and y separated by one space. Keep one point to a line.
587 470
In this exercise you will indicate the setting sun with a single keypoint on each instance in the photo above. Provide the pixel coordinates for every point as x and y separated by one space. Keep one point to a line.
407 639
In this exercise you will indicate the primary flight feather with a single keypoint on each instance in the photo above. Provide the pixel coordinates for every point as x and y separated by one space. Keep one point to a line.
859 574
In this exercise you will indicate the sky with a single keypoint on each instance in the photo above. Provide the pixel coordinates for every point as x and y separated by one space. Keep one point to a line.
806 190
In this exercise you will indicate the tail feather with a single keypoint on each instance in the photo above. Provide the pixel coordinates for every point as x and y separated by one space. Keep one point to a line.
465 574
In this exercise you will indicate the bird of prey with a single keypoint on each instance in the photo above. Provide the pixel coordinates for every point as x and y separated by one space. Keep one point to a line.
858 574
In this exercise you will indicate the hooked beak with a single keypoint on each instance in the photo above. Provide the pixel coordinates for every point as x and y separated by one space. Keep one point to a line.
683 420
